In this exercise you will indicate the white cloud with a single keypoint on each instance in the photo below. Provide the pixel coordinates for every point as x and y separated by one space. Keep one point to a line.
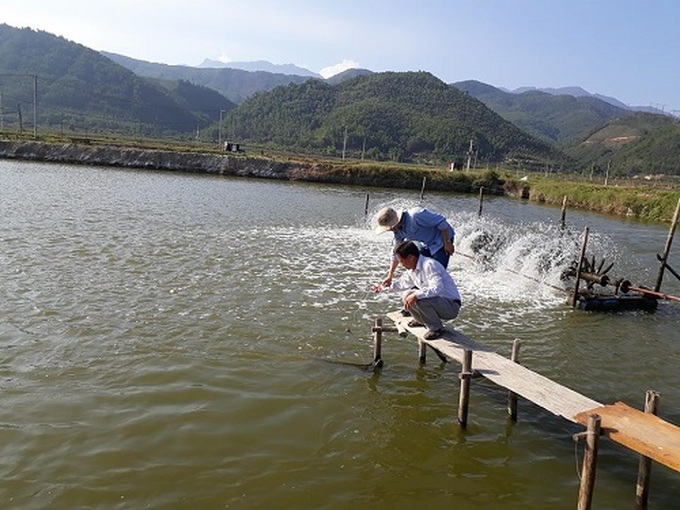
327 72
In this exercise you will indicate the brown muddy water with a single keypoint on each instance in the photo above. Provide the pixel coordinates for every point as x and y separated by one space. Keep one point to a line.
163 339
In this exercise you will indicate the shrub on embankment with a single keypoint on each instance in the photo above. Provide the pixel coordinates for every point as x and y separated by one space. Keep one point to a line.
400 176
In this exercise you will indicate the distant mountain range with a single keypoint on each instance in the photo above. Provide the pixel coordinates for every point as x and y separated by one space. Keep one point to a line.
580 92
260 65
291 69
396 116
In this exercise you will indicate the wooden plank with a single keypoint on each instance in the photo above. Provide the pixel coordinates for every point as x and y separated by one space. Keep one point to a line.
642 432
530 385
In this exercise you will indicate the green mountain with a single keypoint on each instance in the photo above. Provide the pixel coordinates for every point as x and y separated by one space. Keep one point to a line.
348 75
556 118
642 143
382 116
396 116
79 89
234 84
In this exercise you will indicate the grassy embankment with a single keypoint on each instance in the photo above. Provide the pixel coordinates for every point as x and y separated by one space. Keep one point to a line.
642 202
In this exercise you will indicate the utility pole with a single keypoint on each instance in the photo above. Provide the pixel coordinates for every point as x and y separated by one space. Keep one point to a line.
344 143
220 130
469 157
35 106
606 175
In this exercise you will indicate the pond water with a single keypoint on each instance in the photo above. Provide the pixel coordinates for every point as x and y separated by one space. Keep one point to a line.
166 341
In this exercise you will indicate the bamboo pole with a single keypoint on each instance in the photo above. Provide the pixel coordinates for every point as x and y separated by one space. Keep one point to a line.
645 466
481 201
580 267
512 396
669 241
564 212
366 207
585 493
377 343
464 397
422 189
422 352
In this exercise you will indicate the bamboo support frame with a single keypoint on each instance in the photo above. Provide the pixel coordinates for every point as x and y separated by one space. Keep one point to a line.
667 249
574 299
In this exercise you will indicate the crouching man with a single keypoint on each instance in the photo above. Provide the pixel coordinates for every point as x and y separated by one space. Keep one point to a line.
427 290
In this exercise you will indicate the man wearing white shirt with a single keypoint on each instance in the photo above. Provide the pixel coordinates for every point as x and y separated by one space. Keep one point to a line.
427 290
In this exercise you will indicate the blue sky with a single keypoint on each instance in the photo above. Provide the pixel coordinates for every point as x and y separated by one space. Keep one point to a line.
625 49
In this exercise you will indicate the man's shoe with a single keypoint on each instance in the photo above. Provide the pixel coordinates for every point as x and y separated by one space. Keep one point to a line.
415 324
433 334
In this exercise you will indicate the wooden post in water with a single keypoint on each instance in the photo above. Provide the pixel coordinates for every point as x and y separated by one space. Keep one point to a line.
512 396
574 299
366 208
645 467
464 397
422 350
669 241
564 212
585 493
422 189
481 201
377 343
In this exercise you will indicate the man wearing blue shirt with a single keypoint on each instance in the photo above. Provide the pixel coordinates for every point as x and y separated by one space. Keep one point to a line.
430 229
427 290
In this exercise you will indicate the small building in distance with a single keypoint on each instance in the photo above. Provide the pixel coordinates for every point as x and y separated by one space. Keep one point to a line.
232 147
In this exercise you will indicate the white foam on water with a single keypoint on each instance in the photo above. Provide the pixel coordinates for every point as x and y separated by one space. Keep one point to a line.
507 271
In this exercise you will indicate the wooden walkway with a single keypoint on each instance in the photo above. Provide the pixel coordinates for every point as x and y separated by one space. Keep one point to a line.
641 432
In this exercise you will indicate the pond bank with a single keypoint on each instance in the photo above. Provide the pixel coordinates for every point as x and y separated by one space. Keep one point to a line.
640 203
242 165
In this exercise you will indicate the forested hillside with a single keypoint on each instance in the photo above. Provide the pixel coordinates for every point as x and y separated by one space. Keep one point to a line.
396 116
642 143
556 118
79 89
